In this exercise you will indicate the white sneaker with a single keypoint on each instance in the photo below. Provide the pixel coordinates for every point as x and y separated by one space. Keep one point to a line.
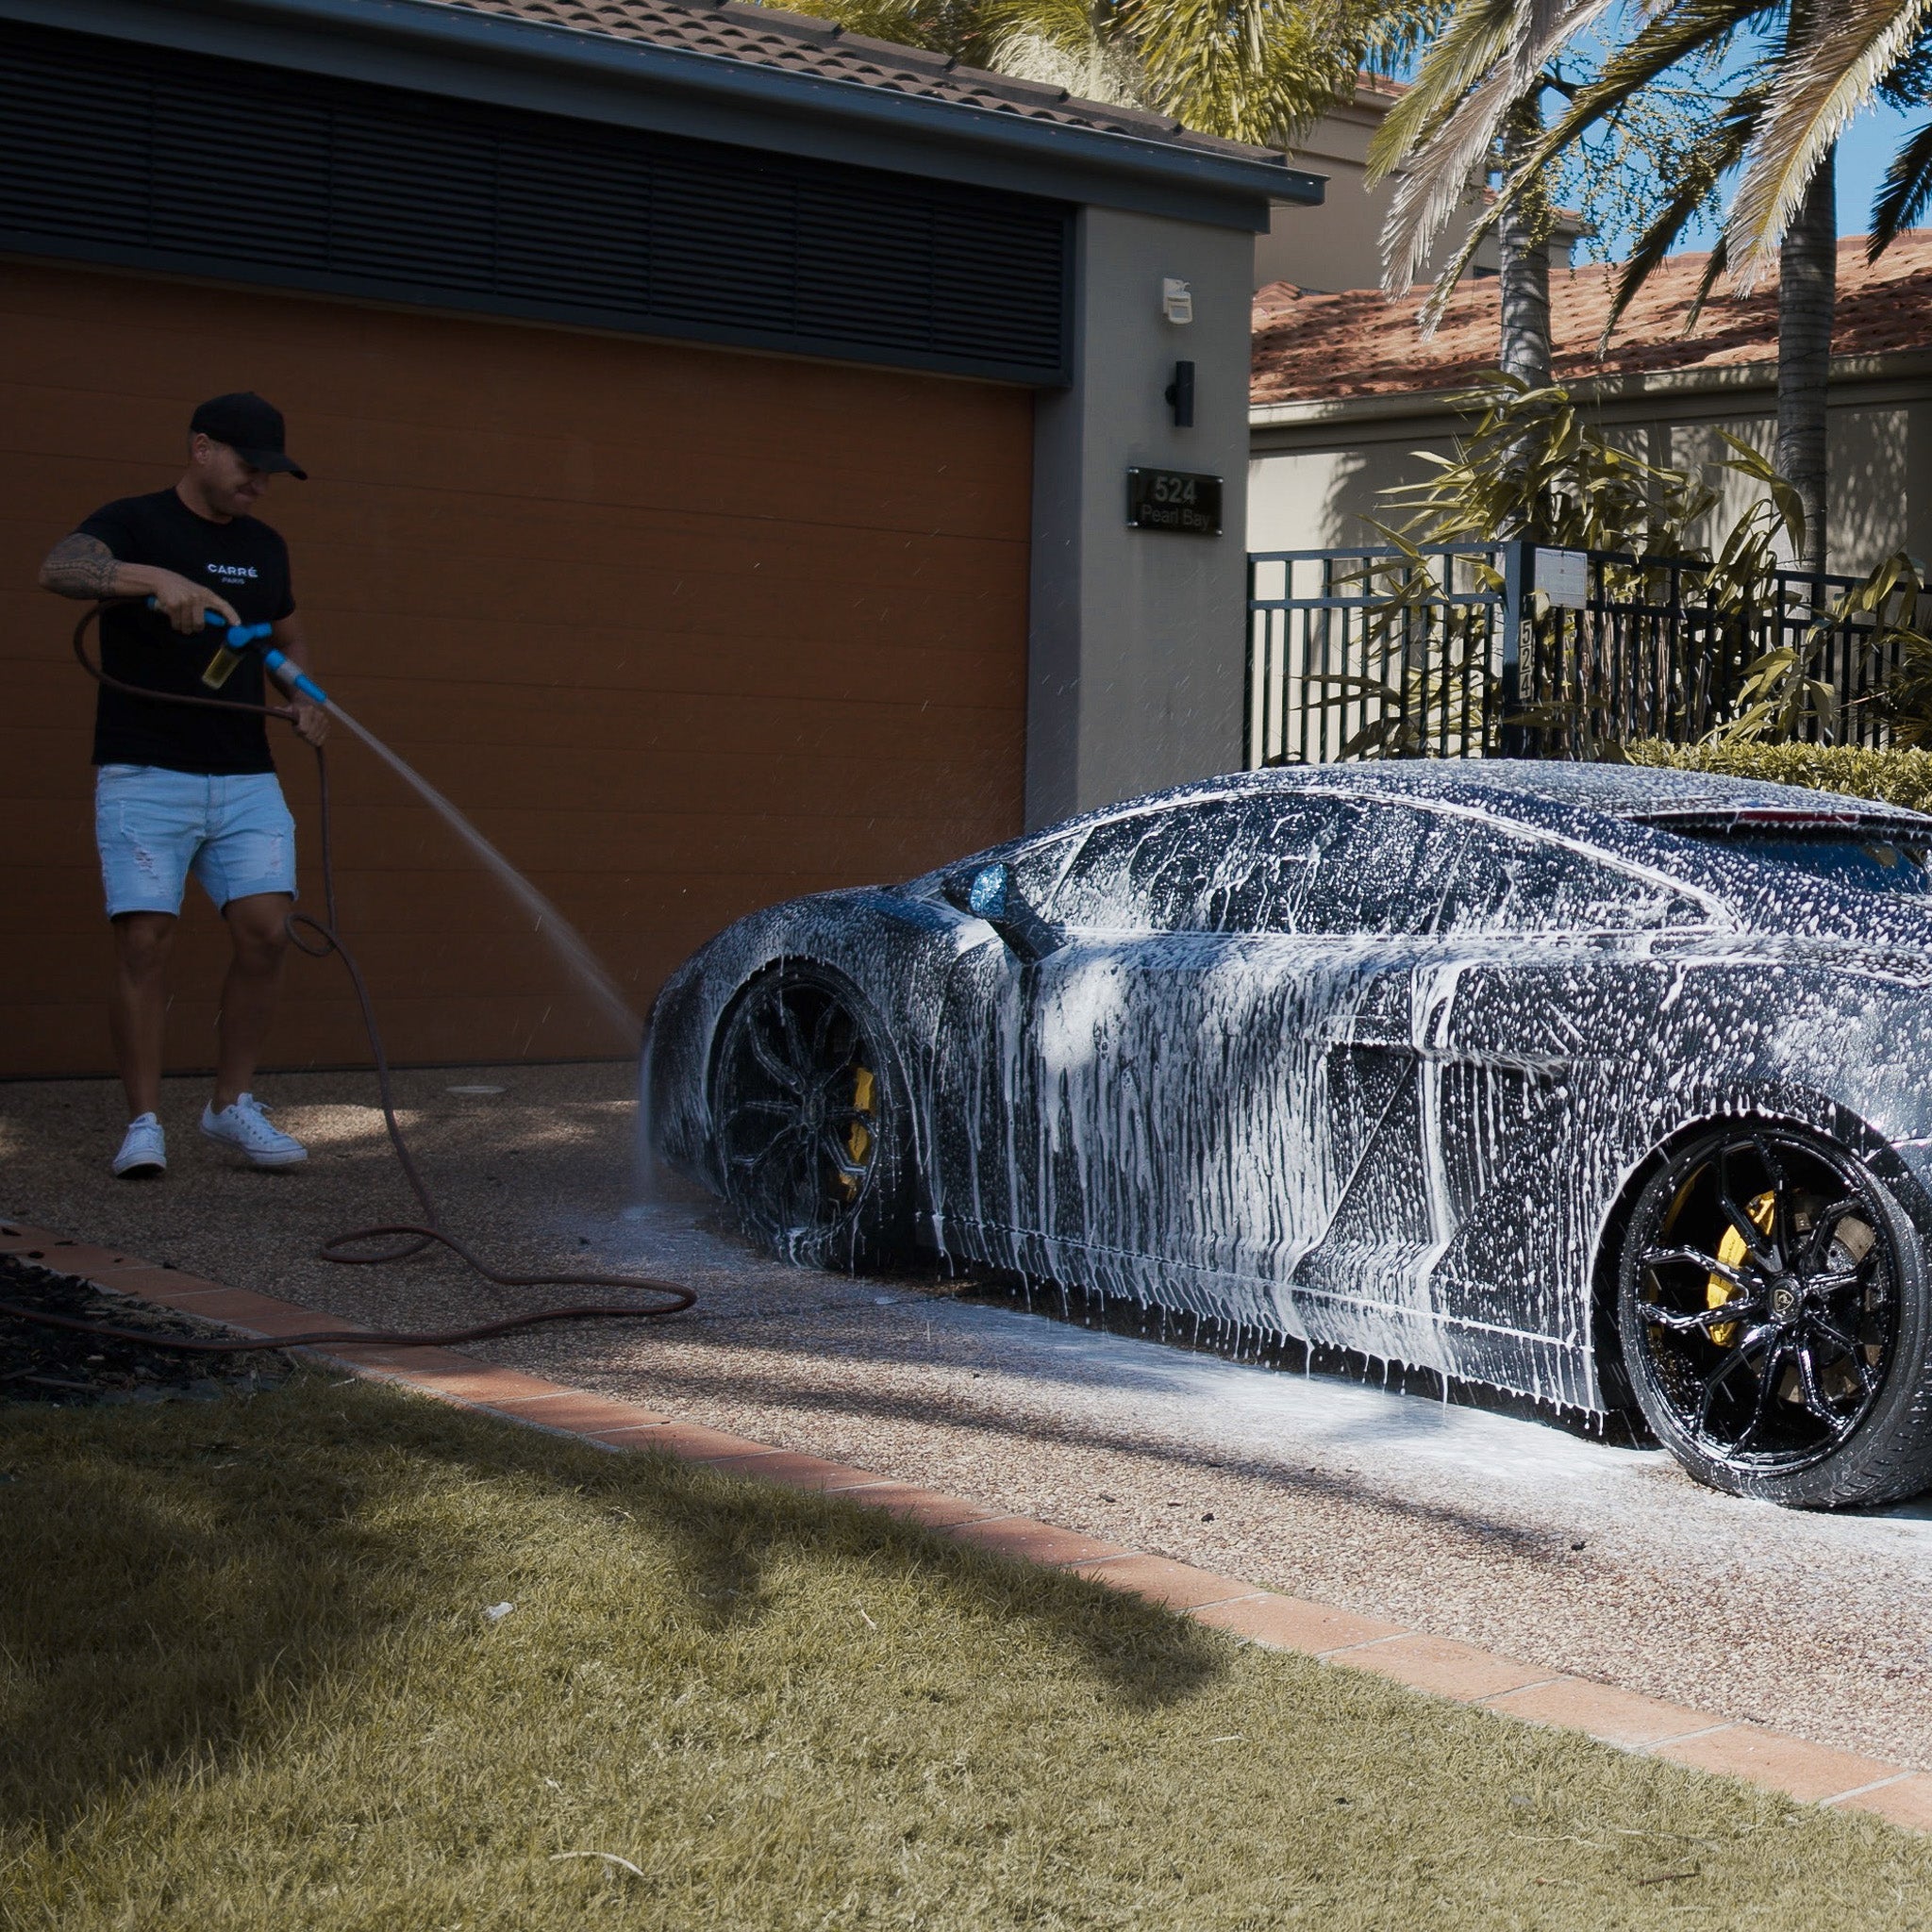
245 1124
143 1154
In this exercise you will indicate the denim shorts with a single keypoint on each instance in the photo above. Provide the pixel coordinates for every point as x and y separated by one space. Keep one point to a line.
156 826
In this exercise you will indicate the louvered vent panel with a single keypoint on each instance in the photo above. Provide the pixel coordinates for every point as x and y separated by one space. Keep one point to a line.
865 267
285 145
988 289
109 152
75 149
724 248
413 203
573 234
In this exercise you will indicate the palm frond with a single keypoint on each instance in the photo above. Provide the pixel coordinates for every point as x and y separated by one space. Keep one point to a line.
1720 260
946 26
1476 36
1902 195
1398 31
1823 80
1436 178
1712 156
1908 83
1251 70
1067 43
1673 36
1070 23
1674 33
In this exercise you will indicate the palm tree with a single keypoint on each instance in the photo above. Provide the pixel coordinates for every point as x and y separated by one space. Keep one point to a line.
1258 71
1779 129
1262 70
1523 246
1477 105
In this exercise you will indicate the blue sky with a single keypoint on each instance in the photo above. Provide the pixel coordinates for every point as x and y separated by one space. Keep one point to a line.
1864 152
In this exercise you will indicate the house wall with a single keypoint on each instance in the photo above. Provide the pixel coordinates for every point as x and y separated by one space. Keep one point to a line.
684 631
1137 634
707 552
1318 472
1338 244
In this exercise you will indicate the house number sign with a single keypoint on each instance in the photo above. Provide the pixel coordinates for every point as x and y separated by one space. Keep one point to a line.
1173 500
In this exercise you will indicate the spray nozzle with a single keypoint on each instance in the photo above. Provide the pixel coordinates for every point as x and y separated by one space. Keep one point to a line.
236 639
295 680
237 635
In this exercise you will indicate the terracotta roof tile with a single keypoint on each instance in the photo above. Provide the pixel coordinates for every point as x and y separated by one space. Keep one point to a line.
1326 348
767 36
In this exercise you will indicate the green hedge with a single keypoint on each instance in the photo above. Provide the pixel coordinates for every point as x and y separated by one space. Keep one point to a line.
1898 777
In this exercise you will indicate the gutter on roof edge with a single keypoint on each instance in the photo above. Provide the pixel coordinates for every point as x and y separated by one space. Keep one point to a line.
341 36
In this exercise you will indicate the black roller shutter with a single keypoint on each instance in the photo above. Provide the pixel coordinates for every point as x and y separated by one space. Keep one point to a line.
112 152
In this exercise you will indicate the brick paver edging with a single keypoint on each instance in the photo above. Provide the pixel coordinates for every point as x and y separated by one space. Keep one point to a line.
1816 1774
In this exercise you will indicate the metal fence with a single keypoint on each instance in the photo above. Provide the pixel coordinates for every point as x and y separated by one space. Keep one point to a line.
1447 652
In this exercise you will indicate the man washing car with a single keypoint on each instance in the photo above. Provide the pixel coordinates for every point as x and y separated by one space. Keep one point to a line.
180 789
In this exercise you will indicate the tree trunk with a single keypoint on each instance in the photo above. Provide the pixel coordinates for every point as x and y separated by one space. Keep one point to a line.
1807 293
1522 243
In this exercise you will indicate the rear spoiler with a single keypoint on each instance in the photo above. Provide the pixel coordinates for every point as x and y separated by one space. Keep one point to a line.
1836 825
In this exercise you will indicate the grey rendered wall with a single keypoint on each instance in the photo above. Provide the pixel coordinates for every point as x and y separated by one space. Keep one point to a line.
1317 492
1321 499
1137 635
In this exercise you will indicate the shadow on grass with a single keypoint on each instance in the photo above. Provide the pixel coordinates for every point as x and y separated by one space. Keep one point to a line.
186 1585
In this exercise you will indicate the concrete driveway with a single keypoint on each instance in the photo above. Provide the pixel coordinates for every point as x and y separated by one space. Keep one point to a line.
1514 1534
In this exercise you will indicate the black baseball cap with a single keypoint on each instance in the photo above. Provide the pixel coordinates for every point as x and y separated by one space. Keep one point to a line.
251 427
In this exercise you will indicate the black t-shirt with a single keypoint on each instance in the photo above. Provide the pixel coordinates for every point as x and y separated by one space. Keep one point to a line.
245 562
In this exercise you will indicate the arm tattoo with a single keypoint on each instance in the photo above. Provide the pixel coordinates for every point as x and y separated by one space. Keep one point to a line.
79 567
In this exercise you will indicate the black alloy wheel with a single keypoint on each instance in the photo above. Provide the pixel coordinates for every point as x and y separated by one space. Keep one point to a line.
1772 1312
810 1124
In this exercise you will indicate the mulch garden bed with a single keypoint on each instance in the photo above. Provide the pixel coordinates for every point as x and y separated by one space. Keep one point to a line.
59 1367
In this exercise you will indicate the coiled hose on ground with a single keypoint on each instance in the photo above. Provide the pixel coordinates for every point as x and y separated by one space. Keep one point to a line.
319 938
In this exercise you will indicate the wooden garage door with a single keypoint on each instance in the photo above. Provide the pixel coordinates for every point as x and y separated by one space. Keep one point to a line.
684 631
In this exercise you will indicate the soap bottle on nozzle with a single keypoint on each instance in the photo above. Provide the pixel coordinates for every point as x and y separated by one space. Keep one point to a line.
221 665
235 637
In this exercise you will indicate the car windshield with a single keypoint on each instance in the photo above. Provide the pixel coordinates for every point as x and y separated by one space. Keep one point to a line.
1866 868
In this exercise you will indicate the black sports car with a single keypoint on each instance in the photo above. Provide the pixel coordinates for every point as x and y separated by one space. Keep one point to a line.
1596 1083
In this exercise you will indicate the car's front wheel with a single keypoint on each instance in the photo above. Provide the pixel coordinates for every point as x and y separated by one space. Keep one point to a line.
1773 1314
811 1123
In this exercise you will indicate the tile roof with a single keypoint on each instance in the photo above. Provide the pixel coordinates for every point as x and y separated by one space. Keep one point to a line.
767 36
1310 348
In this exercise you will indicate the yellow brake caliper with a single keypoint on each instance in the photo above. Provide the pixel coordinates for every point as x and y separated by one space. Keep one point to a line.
1731 1251
858 1140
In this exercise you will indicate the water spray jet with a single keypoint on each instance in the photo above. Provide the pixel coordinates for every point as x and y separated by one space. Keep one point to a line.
319 938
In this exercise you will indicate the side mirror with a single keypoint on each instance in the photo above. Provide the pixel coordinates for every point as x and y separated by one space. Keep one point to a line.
990 893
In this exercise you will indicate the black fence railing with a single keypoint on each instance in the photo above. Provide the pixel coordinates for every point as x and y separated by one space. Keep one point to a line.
1448 652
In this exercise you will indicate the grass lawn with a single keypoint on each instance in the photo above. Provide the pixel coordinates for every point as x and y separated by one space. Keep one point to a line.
246 1680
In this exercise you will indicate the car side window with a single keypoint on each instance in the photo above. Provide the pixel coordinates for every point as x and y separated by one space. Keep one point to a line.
1347 865
1167 871
1529 883
1038 870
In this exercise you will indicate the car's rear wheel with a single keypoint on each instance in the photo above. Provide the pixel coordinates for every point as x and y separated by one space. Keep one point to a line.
811 1124
1772 1313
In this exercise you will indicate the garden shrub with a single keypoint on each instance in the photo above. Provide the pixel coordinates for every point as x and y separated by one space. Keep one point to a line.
1898 777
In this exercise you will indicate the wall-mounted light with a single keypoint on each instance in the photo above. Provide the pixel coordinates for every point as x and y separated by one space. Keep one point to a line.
1176 299
1180 395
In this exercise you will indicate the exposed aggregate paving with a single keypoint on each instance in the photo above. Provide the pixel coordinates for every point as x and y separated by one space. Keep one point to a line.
1512 1534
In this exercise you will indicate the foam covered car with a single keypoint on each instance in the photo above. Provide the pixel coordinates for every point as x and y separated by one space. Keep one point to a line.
1609 1086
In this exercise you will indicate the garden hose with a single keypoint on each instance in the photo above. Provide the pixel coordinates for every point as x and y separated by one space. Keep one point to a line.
319 938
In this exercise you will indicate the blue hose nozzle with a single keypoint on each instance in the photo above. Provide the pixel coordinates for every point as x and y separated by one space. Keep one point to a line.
238 638
237 635
296 680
